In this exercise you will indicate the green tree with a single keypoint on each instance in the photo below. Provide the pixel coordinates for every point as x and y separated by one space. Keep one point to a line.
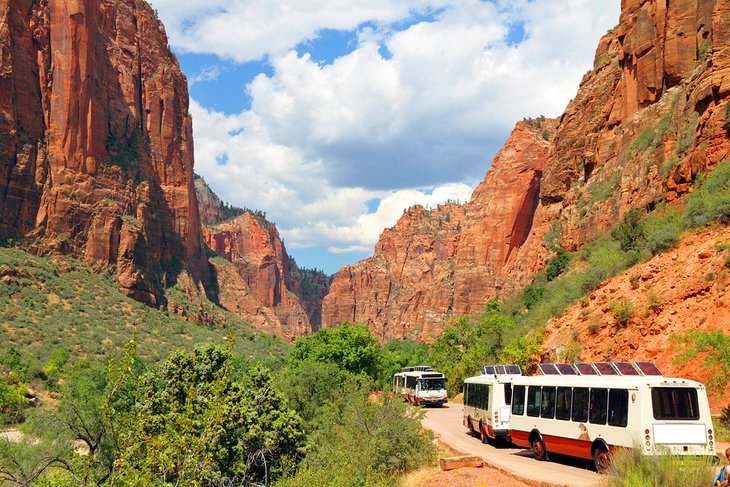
310 385
360 441
351 347
193 424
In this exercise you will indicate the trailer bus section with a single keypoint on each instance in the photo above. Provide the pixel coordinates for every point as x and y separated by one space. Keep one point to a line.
487 399
590 416
421 385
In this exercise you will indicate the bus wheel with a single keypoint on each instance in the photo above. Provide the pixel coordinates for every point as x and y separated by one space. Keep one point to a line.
538 448
471 426
602 459
482 433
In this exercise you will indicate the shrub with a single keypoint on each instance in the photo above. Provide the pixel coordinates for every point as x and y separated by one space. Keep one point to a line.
622 309
363 442
634 281
531 295
631 468
662 239
710 202
557 265
726 121
630 233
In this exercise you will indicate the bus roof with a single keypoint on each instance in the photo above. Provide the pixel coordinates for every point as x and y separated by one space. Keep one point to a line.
609 381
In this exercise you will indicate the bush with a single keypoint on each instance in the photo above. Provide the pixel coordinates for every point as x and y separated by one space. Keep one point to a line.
622 309
630 233
557 265
630 468
531 295
359 441
710 202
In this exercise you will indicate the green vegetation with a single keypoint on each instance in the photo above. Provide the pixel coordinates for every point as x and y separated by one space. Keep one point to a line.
601 191
622 309
726 119
632 469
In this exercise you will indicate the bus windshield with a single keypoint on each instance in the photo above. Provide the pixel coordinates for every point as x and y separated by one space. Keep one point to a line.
431 384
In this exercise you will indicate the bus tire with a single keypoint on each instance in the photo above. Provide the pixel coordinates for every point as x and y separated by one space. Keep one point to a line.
470 426
538 448
482 433
601 459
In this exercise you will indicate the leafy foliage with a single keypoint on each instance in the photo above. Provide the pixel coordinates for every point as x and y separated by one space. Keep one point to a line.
714 345
351 347
710 202
557 265
193 424
359 441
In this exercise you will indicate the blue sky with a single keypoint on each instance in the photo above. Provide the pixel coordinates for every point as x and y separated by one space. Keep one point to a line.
333 117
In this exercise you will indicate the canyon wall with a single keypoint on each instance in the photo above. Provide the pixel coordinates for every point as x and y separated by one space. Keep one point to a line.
649 117
96 149
255 249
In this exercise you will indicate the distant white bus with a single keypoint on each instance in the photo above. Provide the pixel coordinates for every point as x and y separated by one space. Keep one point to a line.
487 399
421 385
590 410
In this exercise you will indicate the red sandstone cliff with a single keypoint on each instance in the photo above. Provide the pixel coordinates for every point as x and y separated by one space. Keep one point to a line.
253 246
650 116
406 288
96 149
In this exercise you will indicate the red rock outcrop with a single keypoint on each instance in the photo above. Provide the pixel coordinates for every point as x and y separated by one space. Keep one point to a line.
650 117
209 204
406 288
96 149
253 246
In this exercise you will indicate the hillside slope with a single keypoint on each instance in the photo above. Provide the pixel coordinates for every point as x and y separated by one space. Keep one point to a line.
641 313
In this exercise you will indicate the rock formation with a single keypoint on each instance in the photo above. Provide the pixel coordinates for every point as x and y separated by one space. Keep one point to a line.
96 149
451 260
253 246
650 117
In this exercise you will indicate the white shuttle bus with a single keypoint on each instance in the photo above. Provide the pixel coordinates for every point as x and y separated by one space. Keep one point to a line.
487 399
590 410
421 385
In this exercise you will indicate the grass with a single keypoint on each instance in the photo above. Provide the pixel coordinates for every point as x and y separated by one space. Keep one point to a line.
632 469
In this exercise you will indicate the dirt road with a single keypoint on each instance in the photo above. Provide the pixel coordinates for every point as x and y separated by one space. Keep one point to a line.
560 471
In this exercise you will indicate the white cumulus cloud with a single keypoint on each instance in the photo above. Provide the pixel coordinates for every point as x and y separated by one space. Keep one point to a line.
412 114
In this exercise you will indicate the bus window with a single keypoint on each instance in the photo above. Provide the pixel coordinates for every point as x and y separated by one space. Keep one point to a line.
547 410
518 400
534 394
562 403
466 395
580 404
485 405
598 406
508 394
675 403
431 384
618 407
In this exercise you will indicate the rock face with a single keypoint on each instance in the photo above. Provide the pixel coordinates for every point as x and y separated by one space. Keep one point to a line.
406 288
650 116
209 204
253 246
96 149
